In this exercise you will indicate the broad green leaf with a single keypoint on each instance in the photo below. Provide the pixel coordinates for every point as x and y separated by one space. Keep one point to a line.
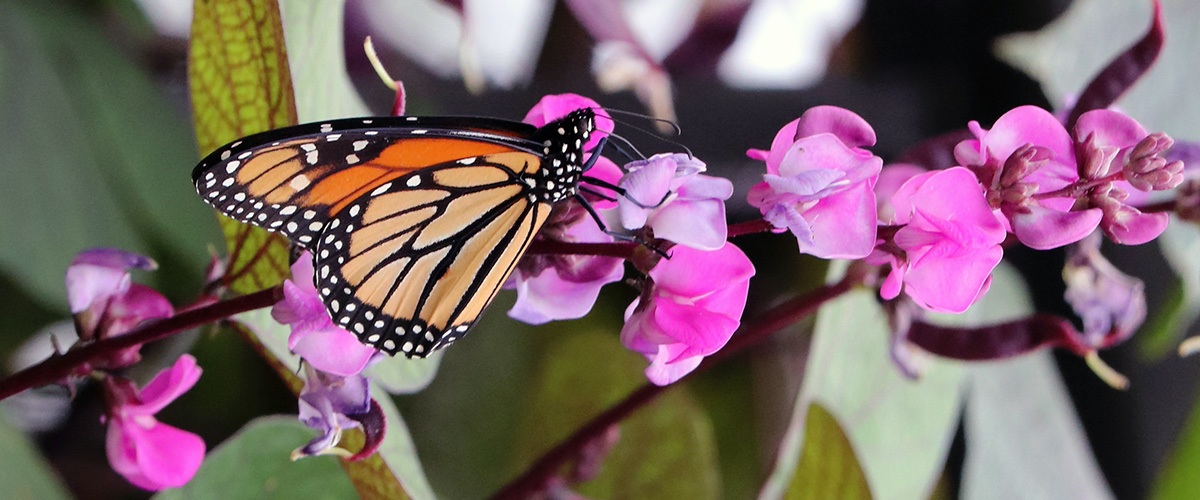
666 449
900 428
24 474
1065 55
828 467
1023 439
1178 478
254 464
1180 244
313 31
398 453
240 82
93 153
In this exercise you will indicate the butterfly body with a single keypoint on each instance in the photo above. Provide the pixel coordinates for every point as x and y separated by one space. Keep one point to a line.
414 223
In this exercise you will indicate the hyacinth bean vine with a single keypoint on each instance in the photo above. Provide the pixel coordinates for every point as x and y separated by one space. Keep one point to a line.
924 238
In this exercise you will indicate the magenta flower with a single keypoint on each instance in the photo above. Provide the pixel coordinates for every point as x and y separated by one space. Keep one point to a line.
150 454
314 337
1111 143
668 194
819 183
691 310
330 404
555 106
1026 152
553 287
948 245
890 179
103 297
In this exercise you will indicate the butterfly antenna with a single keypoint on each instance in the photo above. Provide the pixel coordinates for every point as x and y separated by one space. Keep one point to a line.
617 145
652 134
674 126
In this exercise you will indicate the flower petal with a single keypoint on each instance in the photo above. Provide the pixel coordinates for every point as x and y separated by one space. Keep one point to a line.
1042 228
168 385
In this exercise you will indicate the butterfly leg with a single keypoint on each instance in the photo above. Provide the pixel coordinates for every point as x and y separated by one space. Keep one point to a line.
617 235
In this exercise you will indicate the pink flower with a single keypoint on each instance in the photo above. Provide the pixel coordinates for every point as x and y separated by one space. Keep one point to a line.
106 302
555 106
314 337
555 287
1026 152
949 244
692 309
668 194
150 454
819 183
1110 143
890 179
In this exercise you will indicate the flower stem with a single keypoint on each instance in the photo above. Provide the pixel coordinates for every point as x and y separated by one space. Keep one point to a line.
59 367
749 227
771 321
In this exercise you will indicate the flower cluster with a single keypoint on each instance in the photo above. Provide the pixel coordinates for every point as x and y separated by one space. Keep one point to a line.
680 317
107 303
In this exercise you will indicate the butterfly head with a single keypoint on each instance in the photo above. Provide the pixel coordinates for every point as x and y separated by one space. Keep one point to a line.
563 159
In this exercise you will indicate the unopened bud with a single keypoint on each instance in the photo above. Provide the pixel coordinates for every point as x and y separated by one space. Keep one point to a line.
1022 162
1153 145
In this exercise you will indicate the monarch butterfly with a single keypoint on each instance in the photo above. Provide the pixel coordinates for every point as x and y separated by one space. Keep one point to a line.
414 223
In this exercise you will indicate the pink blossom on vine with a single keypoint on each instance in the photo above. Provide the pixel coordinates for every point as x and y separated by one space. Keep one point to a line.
150 454
314 337
553 287
669 194
1112 143
944 254
819 183
555 106
693 305
890 179
106 302
1026 152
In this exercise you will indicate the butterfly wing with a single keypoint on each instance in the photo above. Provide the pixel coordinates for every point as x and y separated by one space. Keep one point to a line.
412 265
293 180
415 223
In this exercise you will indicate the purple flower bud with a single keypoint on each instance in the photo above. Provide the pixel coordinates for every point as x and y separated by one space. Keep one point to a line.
1152 145
1024 161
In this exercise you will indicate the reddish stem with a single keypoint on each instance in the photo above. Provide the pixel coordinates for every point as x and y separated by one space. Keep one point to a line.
777 318
749 227
59 367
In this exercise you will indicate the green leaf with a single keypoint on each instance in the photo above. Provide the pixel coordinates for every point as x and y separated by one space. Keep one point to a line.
24 474
1180 245
253 464
1023 439
1065 55
900 428
238 72
1178 478
315 53
828 467
93 153
666 449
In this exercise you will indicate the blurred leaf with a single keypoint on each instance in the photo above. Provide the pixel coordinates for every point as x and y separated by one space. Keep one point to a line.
24 473
94 156
1177 479
1023 439
253 464
900 428
238 71
400 375
1180 244
316 55
1161 332
397 453
666 449
1068 53
828 467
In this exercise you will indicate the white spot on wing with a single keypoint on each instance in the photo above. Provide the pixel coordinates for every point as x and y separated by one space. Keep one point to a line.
299 182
